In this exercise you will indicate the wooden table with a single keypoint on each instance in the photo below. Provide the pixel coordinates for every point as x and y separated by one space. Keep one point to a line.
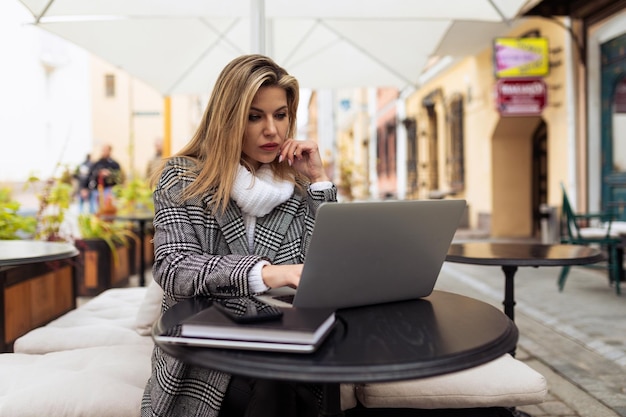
20 252
439 334
510 256
36 285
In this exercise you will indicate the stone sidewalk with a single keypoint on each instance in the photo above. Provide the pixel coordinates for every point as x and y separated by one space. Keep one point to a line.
575 338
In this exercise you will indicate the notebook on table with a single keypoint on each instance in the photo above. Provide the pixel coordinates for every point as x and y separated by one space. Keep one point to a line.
292 330
292 326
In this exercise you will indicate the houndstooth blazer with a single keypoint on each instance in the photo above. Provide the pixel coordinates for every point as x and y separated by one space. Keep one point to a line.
199 254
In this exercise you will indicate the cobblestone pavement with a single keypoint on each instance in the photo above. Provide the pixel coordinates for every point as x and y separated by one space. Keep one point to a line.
575 338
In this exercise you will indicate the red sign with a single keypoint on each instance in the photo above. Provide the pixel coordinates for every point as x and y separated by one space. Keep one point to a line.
521 96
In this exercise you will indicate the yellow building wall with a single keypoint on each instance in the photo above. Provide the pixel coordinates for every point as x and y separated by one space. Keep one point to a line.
473 78
353 141
498 150
132 120
512 167
512 171
187 113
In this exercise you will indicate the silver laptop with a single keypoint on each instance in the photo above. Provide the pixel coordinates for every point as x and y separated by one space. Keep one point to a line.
364 253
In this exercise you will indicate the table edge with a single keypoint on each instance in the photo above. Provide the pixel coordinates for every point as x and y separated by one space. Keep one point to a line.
525 262
40 259
507 342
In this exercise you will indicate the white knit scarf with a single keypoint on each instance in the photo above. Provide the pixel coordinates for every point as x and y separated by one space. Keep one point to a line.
258 194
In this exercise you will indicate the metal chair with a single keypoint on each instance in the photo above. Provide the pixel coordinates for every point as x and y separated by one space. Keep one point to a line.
576 230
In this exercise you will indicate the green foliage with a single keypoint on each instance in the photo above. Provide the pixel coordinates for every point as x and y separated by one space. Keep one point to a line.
112 232
54 201
134 196
11 222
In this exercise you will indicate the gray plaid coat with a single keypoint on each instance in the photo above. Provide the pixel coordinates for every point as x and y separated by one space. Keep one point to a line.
199 254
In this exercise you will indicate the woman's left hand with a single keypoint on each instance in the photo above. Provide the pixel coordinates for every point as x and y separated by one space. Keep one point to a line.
304 156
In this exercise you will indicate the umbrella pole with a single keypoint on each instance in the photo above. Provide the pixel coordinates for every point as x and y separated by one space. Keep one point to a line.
257 30
167 126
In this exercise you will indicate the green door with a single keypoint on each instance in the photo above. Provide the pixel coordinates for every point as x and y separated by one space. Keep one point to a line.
613 80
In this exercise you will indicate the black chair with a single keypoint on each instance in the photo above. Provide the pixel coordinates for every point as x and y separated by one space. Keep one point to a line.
575 230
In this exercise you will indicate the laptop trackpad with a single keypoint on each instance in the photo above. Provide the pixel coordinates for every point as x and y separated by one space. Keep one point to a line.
281 297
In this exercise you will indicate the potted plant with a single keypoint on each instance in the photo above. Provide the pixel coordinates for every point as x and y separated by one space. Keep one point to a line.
13 225
105 256
133 199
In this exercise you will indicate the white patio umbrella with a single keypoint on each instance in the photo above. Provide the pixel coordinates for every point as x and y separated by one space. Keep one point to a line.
179 46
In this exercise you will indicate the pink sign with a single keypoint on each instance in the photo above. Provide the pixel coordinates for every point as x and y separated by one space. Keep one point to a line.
520 57
521 96
507 57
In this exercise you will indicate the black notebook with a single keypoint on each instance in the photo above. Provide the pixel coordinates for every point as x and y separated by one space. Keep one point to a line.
296 330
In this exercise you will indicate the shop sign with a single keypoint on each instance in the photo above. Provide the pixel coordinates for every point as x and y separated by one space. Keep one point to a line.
521 96
520 57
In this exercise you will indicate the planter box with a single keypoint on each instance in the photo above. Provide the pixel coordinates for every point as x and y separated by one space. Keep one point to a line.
97 271
33 295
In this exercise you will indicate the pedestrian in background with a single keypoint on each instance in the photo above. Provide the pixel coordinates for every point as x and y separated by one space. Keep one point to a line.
81 175
105 172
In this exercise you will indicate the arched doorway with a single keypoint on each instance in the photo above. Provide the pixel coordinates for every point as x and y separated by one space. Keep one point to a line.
516 178
613 119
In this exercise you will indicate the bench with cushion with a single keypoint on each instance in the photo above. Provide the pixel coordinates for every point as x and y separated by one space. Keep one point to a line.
95 360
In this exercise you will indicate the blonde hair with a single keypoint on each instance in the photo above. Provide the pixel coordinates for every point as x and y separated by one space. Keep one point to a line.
216 146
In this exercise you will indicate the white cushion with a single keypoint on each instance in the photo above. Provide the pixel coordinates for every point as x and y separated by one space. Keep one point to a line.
347 397
503 382
150 309
94 382
617 227
105 320
597 232
53 339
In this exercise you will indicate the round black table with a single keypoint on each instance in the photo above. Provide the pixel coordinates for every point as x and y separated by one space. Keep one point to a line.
141 218
439 334
20 262
20 252
510 256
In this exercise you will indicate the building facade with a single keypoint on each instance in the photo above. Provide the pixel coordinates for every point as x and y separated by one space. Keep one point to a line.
455 139
506 167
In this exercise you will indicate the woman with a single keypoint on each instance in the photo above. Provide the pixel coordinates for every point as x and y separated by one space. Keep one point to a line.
234 214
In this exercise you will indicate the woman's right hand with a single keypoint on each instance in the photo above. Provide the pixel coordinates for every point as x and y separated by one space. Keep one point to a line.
275 276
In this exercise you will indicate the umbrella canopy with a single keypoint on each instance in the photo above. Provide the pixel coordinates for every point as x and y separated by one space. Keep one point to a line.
179 46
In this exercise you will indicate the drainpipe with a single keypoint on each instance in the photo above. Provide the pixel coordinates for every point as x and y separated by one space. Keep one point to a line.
257 26
572 125
373 144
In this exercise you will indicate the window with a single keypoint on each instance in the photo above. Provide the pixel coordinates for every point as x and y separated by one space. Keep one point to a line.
411 162
109 85
456 165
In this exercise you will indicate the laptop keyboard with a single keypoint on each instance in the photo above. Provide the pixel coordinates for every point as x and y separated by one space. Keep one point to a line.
285 298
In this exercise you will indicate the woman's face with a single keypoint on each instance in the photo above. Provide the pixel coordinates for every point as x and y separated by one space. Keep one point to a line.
268 122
